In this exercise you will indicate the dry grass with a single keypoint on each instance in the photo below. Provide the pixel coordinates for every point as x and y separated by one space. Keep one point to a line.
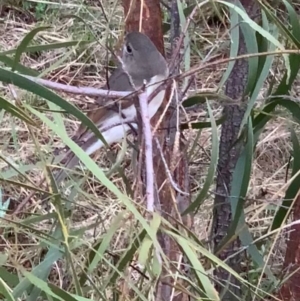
86 68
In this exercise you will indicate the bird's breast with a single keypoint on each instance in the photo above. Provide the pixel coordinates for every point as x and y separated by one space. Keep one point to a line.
156 102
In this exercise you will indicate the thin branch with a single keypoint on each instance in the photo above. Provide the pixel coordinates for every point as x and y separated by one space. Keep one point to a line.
128 95
143 102
239 57
168 172
80 90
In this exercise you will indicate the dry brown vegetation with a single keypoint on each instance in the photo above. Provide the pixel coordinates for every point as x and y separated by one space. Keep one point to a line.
82 66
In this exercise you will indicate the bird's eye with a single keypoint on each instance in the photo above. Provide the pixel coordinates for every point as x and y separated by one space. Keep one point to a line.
128 49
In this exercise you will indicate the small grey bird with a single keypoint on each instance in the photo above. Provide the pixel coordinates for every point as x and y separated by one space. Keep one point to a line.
141 62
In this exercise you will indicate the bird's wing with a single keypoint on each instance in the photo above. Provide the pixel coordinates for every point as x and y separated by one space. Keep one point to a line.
118 81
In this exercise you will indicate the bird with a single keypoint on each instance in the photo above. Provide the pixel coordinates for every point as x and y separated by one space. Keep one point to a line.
141 63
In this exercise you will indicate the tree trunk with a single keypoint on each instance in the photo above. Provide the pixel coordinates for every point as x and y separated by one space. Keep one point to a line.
229 152
290 291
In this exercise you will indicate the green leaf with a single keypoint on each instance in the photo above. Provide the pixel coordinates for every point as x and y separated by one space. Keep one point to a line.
41 272
106 241
262 43
3 209
194 100
294 61
127 257
201 125
156 268
262 118
51 290
186 41
65 296
293 189
291 36
18 67
10 279
251 45
47 47
234 34
260 81
27 186
21 48
294 19
15 111
202 277
144 251
212 166
42 218
99 174
90 257
238 192
5 291
241 179
262 31
201 99
27 84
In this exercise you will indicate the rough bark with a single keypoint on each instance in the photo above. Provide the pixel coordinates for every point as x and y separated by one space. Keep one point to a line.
151 19
290 291
229 152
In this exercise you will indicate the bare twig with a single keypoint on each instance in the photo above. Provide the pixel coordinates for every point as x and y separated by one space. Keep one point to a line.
174 185
128 95
143 102
80 90
27 199
239 57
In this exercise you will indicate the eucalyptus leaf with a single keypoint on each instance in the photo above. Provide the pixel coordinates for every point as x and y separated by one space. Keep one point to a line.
46 47
29 85
5 291
18 67
212 166
27 39
293 189
201 125
15 111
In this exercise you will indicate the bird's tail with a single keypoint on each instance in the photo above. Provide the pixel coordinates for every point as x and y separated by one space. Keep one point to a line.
112 135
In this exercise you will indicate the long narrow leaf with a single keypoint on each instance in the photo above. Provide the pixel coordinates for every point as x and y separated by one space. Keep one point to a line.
24 83
15 111
99 174
293 188
262 31
212 167
5 290
27 39
47 47
18 67
259 81
234 46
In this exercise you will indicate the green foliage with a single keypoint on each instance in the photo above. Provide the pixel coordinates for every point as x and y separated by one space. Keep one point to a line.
38 8
99 266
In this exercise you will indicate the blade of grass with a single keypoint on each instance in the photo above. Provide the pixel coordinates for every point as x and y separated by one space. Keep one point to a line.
47 47
27 39
293 188
99 174
262 31
15 111
212 166
5 291
234 33
24 83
